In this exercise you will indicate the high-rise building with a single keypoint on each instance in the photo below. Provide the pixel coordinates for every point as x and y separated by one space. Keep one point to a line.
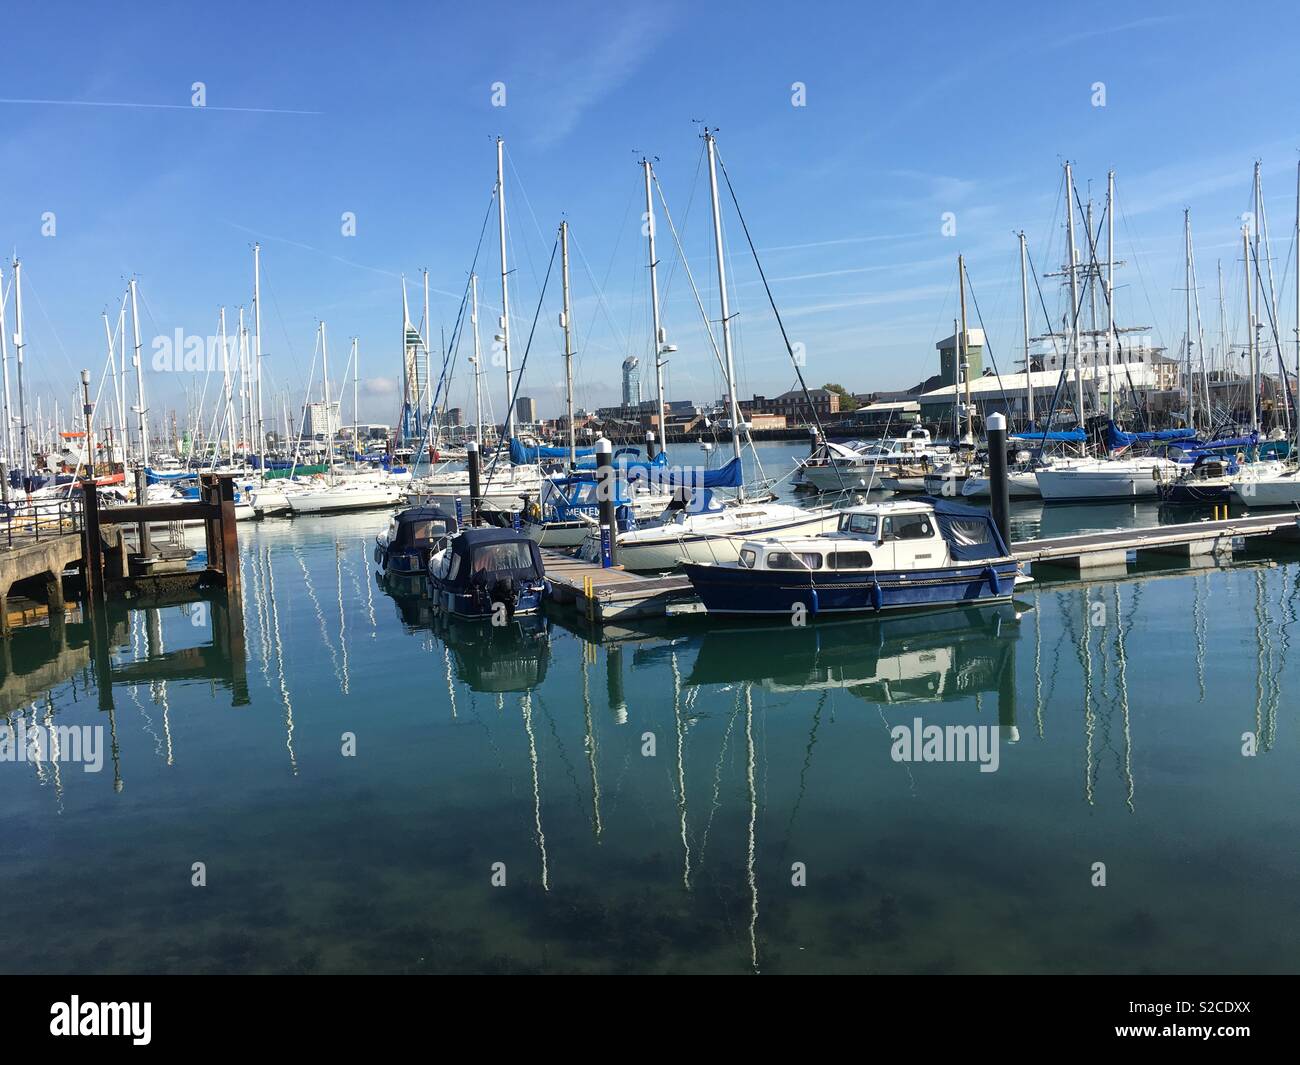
631 381
526 410
318 422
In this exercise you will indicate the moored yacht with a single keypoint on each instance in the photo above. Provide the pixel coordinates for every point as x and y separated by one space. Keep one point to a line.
1258 487
861 465
697 527
1092 479
896 555
488 573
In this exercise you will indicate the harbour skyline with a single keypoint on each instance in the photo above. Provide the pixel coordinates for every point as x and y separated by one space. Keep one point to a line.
862 176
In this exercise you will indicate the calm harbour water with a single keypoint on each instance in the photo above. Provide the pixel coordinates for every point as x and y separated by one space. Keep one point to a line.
1120 707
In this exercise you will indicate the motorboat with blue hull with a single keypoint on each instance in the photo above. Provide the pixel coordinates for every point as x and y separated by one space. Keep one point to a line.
488 573
412 536
918 554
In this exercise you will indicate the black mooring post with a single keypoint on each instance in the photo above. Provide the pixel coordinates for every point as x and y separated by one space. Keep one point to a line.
999 491
651 447
475 492
816 440
605 490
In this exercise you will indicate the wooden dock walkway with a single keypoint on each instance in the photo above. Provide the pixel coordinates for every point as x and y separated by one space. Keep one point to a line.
1097 550
601 595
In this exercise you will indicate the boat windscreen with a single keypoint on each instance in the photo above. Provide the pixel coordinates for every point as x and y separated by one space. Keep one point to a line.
512 555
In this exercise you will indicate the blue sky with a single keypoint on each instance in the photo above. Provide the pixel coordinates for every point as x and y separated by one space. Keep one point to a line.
385 110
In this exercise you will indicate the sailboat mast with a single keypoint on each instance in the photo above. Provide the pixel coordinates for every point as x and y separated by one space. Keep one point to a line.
956 380
1074 294
478 357
325 366
1024 314
141 408
1223 324
1187 284
1110 294
1297 305
568 341
4 361
225 374
125 428
257 347
505 284
964 348
722 294
1252 339
426 386
356 416
20 343
655 327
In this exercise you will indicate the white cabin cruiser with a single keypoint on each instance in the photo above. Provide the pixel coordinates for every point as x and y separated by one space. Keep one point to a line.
860 465
896 555
697 527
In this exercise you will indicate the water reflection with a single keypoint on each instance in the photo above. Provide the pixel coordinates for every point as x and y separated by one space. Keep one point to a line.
652 789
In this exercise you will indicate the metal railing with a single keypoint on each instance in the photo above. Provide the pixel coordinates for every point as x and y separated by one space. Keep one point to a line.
33 520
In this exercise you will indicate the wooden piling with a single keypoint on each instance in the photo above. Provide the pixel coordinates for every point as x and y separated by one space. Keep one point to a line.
92 558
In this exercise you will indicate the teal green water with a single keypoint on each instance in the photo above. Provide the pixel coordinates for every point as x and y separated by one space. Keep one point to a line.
1120 709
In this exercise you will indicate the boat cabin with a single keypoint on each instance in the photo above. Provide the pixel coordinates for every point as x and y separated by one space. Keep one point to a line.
482 567
412 536
915 534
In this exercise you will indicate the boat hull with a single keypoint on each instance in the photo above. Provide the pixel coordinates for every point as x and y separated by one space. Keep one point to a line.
1021 484
1203 492
1281 491
642 553
1077 485
733 590
352 498
481 607
864 478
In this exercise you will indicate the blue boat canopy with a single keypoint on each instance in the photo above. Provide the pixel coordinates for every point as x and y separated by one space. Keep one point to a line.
1116 438
729 476
971 533
522 454
482 556
1056 436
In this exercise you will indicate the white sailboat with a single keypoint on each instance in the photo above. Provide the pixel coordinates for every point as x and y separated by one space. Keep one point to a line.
696 527
359 491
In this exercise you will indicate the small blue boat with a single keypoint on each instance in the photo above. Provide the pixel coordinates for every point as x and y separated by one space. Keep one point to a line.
488 573
899 555
412 536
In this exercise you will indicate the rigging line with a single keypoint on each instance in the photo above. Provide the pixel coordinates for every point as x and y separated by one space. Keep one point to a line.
599 291
456 331
686 217
772 301
681 253
987 346
1051 334
519 379
1286 389
523 191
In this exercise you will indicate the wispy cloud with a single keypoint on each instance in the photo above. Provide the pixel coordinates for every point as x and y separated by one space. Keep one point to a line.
156 107
603 67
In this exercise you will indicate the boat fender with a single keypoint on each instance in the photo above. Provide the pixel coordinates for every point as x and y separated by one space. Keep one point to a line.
379 554
877 596
995 582
814 604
